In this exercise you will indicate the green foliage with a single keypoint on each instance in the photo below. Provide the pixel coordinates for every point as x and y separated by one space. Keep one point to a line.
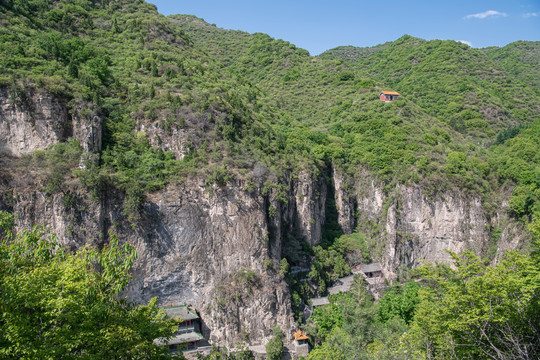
326 353
349 326
327 318
534 228
517 160
399 301
56 304
219 176
245 277
482 312
328 266
274 348
351 53
335 262
284 268
509 133
139 70
474 311
520 58
233 104
58 162
238 99
354 247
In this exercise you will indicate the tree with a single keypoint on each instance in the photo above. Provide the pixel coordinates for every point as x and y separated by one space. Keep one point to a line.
349 323
399 301
274 348
327 353
60 305
482 312
534 228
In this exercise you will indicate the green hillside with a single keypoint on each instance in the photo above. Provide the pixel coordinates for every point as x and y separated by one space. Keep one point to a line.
139 68
520 59
248 98
351 53
458 84
456 101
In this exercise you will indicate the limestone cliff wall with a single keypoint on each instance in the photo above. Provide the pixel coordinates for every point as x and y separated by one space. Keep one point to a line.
415 228
219 247
207 248
33 120
420 229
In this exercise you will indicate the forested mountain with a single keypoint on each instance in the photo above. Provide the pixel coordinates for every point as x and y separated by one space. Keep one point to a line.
227 158
456 100
351 53
519 59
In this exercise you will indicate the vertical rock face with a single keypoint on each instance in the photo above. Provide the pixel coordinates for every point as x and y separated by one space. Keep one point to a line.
74 226
413 228
87 127
33 120
421 230
183 132
205 246
210 249
309 214
345 204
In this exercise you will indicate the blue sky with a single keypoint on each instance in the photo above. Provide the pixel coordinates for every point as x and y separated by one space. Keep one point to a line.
318 25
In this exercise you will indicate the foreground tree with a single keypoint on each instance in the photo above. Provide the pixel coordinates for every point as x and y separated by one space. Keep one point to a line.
483 312
60 305
399 301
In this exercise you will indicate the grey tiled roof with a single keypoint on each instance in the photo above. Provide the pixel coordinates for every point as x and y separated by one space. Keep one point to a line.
182 313
320 301
181 339
373 267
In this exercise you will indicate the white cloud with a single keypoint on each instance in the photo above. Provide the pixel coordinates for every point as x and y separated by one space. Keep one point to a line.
485 14
465 42
529 15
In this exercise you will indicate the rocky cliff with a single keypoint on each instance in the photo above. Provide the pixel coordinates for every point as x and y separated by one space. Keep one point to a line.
411 228
207 248
219 247
32 120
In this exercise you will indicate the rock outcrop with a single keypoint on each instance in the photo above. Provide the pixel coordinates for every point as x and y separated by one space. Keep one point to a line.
219 247
32 120
414 228
207 248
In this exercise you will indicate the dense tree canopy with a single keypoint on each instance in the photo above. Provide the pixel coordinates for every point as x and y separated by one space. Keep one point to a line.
490 312
473 312
60 305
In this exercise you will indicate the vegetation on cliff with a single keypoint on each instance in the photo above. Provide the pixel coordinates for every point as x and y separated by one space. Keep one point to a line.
61 304
234 100
458 105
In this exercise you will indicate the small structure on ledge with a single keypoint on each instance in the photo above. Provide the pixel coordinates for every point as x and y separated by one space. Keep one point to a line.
388 96
374 277
301 345
373 270
188 336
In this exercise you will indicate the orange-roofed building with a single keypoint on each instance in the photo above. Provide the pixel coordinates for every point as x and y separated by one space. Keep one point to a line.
388 96
300 335
301 346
